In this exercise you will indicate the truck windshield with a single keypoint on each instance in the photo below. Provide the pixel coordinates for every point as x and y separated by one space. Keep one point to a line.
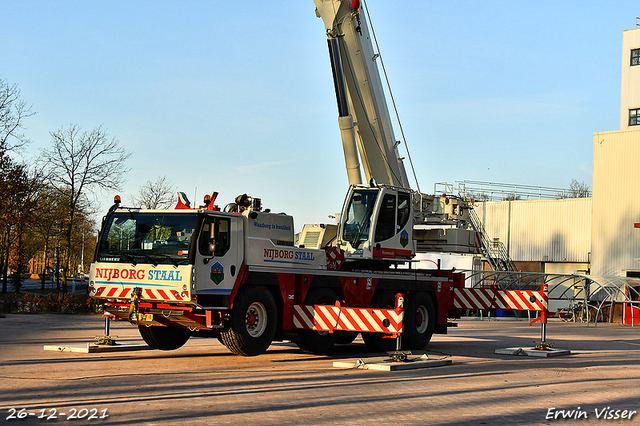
156 238
357 220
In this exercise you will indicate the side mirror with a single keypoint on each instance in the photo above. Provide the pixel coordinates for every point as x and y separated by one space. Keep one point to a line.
211 249
212 239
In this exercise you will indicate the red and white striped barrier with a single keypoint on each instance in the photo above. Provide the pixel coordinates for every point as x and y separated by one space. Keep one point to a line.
115 292
339 318
491 298
517 300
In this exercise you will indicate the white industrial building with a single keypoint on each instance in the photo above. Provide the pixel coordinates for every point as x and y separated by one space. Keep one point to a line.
552 236
598 235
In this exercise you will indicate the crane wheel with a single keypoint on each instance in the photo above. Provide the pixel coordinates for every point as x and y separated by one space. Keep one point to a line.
253 322
164 338
376 341
419 320
317 342
346 337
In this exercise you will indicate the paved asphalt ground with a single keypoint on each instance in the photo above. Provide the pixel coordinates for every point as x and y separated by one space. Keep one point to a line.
202 383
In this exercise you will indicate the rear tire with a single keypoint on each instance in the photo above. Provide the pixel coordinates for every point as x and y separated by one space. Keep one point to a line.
312 341
376 341
419 321
346 337
253 322
164 338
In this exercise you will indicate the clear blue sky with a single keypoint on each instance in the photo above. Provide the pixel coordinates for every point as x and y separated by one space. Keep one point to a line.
237 96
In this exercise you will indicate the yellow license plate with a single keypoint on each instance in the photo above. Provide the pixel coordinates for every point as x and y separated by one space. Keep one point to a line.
141 317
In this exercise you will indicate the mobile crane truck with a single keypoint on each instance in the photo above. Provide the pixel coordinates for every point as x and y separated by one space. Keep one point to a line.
237 275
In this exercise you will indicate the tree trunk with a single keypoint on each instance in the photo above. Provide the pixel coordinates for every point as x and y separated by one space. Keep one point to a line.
17 283
44 266
66 266
5 261
57 266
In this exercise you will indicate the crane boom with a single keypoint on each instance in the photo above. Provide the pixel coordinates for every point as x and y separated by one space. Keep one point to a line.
385 219
354 63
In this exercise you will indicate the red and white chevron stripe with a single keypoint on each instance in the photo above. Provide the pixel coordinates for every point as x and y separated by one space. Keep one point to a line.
490 298
338 318
156 294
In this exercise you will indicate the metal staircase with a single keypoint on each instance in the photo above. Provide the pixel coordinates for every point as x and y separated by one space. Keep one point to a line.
494 251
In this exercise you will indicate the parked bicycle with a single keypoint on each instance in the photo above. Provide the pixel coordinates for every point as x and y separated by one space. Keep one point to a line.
579 311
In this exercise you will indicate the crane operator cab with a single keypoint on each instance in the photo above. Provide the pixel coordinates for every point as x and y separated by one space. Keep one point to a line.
375 223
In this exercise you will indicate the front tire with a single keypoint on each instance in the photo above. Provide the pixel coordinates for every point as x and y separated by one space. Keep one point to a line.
164 338
253 322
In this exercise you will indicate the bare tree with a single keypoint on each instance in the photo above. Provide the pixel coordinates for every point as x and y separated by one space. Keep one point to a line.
578 190
51 214
13 111
156 195
16 212
79 161
24 217
477 196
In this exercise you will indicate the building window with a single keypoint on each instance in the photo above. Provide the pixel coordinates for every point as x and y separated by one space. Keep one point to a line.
635 57
634 117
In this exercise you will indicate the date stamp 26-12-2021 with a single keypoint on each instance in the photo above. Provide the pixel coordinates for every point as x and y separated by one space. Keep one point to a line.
57 414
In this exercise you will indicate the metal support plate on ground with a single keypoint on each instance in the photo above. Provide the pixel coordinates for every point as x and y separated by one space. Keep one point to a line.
93 348
383 364
533 352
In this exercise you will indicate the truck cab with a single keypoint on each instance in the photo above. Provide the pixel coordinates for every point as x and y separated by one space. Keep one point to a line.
376 223
191 256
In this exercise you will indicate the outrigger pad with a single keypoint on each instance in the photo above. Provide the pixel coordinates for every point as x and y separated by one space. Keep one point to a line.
384 364
533 352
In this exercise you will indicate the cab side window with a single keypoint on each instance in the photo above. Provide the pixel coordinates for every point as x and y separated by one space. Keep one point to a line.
404 209
386 226
214 236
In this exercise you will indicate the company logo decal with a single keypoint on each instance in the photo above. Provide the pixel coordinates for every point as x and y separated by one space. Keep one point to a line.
116 274
217 273
404 238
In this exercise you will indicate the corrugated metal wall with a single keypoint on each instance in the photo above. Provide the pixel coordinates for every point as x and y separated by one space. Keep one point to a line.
541 230
616 203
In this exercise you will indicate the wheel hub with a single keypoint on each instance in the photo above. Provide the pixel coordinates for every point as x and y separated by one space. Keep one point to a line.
422 319
252 319
255 319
